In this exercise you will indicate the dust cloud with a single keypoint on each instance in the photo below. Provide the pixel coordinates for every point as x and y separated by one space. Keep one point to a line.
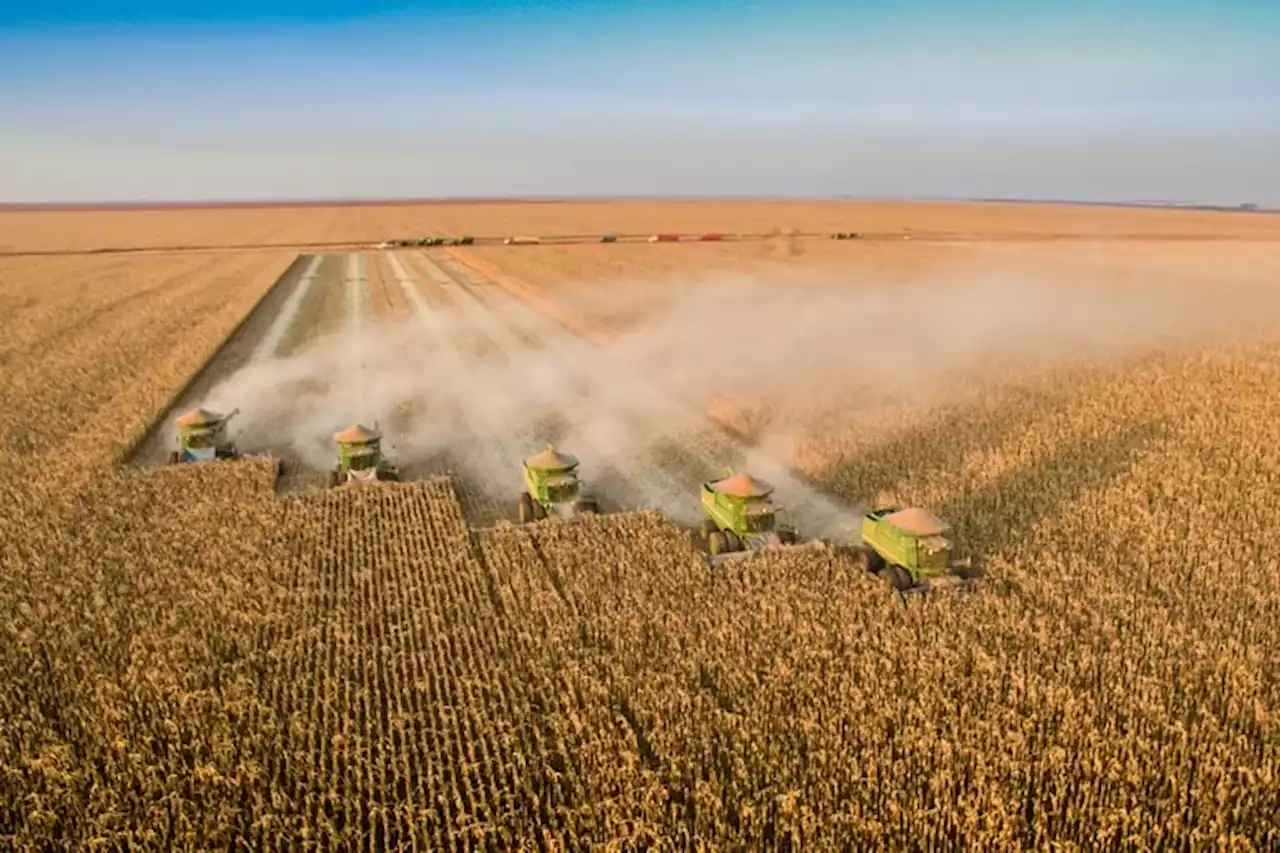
805 345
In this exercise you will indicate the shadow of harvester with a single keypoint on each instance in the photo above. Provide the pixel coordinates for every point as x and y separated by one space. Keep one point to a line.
941 443
1002 515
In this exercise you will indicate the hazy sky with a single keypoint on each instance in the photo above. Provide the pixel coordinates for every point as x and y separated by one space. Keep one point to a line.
1104 99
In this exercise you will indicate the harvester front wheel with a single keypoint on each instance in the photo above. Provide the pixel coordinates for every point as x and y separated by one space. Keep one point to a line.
870 560
900 578
527 514
731 540
175 457
588 506
334 479
788 537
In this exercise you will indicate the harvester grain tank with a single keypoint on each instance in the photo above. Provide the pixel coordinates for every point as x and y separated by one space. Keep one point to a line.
552 487
202 436
360 458
911 547
742 517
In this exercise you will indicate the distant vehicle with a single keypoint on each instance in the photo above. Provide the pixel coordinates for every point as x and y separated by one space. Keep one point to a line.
609 238
552 487
911 547
522 241
360 458
846 235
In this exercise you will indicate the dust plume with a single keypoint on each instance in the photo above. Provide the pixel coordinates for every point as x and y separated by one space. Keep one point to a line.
477 386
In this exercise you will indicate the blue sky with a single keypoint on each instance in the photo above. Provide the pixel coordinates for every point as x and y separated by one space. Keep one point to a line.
1110 100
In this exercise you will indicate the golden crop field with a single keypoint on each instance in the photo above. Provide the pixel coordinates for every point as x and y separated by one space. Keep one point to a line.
214 655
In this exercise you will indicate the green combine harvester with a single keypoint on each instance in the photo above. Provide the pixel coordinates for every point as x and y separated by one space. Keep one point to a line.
742 518
552 487
202 436
910 546
360 458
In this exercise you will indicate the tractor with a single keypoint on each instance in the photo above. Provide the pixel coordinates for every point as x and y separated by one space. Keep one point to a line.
202 436
910 546
609 238
360 458
741 518
552 487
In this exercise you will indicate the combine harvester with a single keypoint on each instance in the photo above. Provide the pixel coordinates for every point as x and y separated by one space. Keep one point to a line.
742 519
202 437
909 546
360 458
552 488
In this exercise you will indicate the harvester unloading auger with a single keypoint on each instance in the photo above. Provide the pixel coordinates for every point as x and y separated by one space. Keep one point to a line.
552 487
360 458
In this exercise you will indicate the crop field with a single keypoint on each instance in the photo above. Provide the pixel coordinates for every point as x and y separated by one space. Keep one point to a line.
219 655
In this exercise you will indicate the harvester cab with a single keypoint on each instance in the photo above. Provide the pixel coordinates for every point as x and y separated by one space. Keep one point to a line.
552 487
741 517
911 546
202 436
360 458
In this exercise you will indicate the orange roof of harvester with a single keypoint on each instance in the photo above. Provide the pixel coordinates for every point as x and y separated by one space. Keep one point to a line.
918 521
356 434
742 486
550 460
198 417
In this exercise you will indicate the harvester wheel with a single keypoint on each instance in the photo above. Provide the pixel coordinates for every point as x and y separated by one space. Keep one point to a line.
870 560
731 540
527 515
590 507
900 578
175 457
788 537
333 479
279 468
716 544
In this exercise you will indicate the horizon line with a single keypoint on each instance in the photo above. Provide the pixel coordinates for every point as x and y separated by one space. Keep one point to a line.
267 203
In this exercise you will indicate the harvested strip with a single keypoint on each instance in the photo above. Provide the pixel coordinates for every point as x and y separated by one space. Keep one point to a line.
267 348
